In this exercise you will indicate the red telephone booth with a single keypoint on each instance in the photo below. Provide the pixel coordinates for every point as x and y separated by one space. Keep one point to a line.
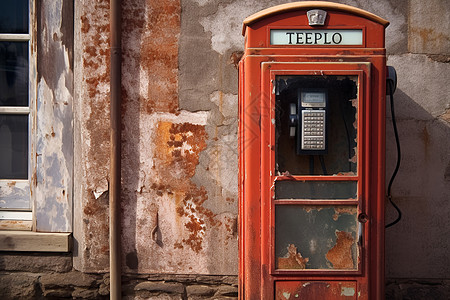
312 153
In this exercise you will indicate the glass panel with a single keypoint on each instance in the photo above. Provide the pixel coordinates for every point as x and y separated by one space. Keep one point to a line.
14 16
316 119
316 237
13 73
315 189
13 147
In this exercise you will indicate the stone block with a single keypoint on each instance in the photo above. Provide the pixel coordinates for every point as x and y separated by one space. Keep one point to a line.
200 290
208 279
58 293
41 262
74 279
231 280
18 285
85 294
103 289
227 291
168 287
153 297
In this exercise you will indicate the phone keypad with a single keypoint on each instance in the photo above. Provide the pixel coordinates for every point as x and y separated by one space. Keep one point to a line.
313 129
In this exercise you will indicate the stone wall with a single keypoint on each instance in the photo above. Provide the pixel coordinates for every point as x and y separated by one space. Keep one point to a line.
51 276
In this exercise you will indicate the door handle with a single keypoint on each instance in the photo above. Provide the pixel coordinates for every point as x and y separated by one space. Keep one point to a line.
362 219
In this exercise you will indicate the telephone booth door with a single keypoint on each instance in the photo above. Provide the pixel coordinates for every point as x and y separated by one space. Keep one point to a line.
314 201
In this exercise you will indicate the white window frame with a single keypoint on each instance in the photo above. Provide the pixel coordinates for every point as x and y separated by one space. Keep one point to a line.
13 218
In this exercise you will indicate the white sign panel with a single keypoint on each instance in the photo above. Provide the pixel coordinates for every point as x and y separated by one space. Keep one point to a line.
316 37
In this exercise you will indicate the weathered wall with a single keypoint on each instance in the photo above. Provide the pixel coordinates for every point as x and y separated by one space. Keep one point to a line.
180 134
415 248
193 209
91 135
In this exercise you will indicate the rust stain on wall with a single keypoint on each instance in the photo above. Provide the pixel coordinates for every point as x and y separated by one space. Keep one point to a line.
94 119
295 260
341 254
178 146
159 55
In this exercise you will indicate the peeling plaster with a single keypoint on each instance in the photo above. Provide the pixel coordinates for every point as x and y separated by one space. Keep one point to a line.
393 11
92 134
225 25
15 194
54 170
54 126
227 105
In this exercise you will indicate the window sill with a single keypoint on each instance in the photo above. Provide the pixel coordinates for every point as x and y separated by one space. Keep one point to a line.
30 241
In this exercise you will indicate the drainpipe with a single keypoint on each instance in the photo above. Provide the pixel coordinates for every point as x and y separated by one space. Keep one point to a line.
115 261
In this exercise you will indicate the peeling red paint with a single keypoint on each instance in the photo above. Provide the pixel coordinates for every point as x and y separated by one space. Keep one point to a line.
341 254
287 290
343 210
295 260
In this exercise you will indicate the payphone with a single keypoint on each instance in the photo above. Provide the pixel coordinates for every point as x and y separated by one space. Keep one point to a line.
312 91
312 106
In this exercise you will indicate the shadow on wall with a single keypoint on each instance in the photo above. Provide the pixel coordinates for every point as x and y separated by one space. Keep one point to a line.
417 247
132 33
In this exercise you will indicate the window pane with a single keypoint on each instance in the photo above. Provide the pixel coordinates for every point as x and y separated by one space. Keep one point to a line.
13 147
315 189
14 16
316 237
316 120
13 73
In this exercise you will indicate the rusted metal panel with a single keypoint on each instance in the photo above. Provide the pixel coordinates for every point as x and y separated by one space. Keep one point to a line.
290 290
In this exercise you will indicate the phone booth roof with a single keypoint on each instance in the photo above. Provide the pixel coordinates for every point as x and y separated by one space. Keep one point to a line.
289 7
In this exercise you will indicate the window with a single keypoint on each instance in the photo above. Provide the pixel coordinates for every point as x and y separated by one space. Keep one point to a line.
17 94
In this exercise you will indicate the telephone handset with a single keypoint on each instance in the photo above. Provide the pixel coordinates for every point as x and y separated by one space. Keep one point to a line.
308 121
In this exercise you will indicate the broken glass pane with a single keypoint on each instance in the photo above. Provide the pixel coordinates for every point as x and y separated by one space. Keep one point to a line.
324 111
316 237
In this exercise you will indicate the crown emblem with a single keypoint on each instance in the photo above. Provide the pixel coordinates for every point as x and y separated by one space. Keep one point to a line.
316 17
